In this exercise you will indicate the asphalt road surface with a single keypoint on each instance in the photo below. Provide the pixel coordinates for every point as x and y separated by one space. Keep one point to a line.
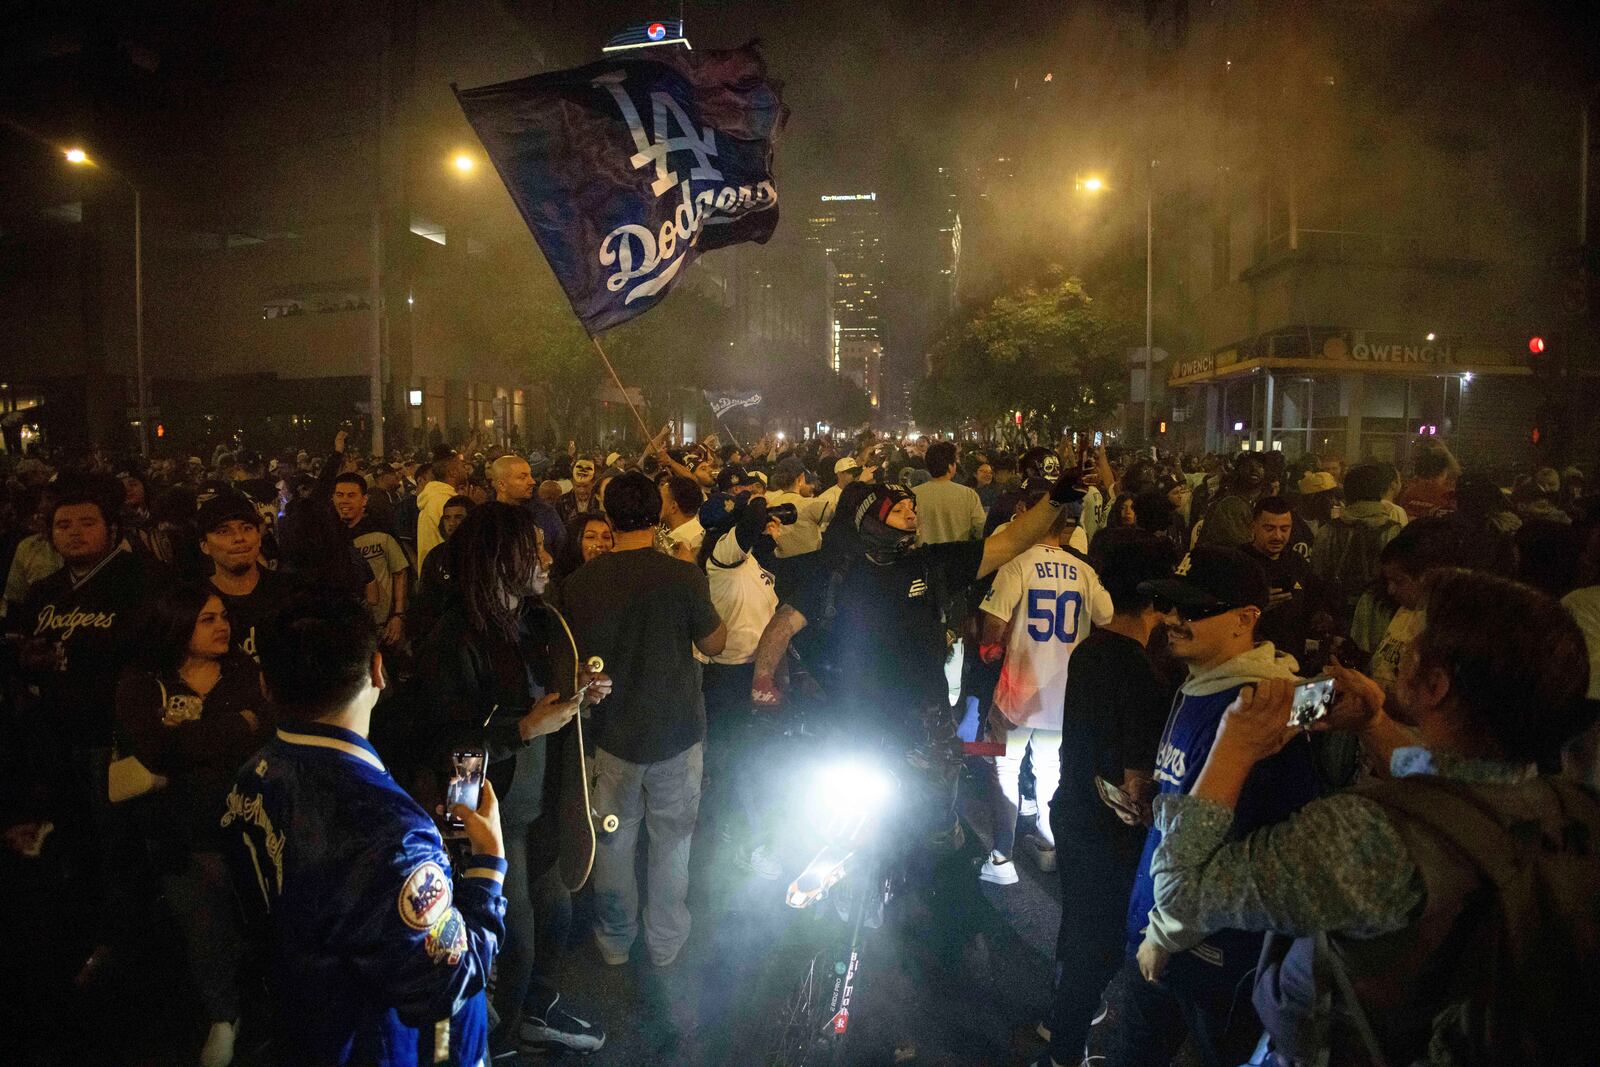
929 996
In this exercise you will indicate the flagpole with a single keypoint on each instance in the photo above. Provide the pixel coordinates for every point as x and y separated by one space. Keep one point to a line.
648 436
729 432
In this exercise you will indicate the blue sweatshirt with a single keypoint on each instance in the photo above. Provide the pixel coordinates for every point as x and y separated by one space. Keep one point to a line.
1276 788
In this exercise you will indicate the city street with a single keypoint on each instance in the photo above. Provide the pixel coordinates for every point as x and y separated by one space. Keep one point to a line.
715 1005
435 473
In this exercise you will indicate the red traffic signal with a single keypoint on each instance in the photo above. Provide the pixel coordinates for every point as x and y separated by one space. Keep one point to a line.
1536 344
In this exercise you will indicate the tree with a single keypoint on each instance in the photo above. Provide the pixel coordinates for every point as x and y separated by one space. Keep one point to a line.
514 313
1043 348
804 393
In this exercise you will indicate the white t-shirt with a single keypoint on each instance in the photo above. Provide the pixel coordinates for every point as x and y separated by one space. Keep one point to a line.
742 593
1584 604
690 533
805 533
1403 629
1051 599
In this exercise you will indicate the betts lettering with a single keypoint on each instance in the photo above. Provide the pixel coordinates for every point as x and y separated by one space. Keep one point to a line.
64 626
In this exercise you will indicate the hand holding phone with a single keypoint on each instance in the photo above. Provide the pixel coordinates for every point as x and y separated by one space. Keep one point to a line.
481 824
1121 804
549 714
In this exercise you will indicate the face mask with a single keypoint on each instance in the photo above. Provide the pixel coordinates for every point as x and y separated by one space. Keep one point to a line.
885 544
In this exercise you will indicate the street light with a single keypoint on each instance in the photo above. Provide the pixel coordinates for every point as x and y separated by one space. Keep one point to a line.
463 163
79 158
1095 184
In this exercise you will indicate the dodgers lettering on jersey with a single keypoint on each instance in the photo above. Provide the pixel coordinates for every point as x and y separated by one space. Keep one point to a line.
1050 599
1277 786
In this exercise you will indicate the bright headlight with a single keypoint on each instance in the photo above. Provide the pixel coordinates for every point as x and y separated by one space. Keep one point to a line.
854 786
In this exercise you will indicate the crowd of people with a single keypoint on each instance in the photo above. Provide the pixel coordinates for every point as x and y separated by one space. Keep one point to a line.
232 688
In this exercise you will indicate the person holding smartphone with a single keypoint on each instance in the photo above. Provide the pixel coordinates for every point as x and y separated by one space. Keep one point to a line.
498 668
378 950
1211 607
1444 908
1115 705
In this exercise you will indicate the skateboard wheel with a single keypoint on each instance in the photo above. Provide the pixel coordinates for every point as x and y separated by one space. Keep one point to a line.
609 824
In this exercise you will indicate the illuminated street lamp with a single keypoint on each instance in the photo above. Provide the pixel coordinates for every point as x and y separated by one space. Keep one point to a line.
1095 184
79 158
463 163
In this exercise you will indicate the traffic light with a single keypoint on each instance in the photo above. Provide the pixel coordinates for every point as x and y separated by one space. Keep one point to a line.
1547 355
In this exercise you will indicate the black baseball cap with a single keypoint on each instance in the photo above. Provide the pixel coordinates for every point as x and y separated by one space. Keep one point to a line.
733 477
1210 580
789 468
226 506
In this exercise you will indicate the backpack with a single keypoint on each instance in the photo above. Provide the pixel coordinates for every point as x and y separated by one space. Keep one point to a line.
1518 865
1350 564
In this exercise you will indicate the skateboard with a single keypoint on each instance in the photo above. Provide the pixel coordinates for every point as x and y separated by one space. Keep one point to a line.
576 816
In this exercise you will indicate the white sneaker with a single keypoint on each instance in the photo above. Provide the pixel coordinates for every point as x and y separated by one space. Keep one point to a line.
762 863
999 870
218 1049
1043 852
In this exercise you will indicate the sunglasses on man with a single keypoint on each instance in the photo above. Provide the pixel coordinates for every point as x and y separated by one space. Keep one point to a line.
1194 612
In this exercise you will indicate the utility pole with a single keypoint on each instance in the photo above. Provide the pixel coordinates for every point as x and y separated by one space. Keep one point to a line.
375 368
1149 296
140 385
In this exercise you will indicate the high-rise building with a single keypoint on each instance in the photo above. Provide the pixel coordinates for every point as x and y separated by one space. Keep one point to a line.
316 230
849 228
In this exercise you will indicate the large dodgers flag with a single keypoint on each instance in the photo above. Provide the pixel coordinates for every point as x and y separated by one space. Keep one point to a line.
628 168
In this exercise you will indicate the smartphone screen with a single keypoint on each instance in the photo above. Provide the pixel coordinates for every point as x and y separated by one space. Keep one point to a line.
1311 702
466 780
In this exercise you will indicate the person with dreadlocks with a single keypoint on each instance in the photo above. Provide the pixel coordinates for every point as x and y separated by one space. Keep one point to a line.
498 668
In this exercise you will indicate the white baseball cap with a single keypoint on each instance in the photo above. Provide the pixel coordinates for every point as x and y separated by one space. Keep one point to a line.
848 463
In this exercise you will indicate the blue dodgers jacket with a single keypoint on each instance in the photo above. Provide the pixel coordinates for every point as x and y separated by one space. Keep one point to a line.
376 956
1276 788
